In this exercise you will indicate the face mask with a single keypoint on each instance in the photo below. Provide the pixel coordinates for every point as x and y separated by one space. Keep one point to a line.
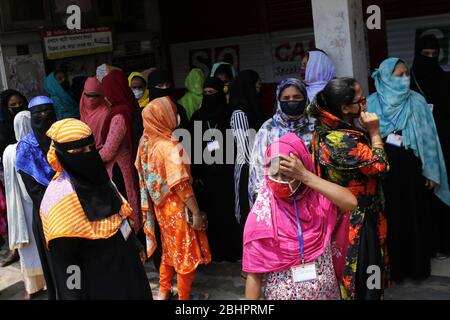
293 108
138 93
282 189
18 109
429 60
40 126
65 85
159 93
404 82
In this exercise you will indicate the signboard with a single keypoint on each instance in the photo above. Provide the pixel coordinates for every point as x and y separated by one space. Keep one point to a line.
443 35
287 56
204 58
71 43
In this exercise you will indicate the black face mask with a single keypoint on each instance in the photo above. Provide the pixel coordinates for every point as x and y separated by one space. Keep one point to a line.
15 111
41 124
65 85
293 108
98 197
159 93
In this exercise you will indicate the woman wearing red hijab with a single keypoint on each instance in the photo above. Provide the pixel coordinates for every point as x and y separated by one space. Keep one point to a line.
109 114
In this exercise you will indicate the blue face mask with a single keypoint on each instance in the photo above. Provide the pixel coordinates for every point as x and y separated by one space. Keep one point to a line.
402 83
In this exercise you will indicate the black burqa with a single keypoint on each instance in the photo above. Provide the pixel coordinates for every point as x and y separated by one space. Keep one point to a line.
429 79
40 124
110 268
214 182
244 97
7 135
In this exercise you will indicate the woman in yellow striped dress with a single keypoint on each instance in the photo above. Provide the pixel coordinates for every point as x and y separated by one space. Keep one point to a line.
85 220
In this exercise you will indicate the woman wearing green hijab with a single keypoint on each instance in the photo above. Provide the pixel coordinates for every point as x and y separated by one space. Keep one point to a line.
192 100
417 169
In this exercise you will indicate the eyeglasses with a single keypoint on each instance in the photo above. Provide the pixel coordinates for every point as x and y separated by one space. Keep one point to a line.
362 102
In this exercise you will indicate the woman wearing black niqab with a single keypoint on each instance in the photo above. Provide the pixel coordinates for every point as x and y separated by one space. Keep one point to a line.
246 119
430 80
215 181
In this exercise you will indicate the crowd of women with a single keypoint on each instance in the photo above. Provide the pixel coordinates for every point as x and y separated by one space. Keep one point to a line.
336 196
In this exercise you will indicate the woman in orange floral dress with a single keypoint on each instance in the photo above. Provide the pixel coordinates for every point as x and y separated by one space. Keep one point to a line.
166 192
348 150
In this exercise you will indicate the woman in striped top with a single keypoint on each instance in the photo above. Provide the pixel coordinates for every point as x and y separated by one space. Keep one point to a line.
82 213
246 119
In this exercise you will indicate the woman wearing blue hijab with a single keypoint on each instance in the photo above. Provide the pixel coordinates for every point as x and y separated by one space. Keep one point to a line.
417 168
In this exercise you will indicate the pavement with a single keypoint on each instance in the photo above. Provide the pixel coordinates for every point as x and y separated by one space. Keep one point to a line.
222 281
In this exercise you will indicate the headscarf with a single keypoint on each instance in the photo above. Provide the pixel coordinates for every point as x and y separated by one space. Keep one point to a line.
123 102
64 104
159 160
430 80
7 136
18 201
103 70
160 151
159 76
243 96
401 109
271 241
31 157
273 129
145 99
97 195
319 71
97 117
192 100
223 67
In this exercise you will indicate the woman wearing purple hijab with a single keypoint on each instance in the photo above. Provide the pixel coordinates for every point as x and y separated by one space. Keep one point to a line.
319 71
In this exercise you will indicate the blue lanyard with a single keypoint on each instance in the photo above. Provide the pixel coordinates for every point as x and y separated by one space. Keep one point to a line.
299 232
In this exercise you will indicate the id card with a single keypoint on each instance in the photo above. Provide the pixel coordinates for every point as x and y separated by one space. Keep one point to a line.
304 272
395 140
125 229
213 146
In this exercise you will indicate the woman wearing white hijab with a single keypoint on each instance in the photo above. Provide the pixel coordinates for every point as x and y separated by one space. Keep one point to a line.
20 213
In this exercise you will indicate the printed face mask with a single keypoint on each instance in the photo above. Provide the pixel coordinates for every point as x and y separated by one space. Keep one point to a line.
282 189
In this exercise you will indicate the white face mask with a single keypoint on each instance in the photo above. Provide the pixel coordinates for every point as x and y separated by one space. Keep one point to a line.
138 93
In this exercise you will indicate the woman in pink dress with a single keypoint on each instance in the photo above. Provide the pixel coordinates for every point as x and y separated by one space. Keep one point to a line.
287 235
108 108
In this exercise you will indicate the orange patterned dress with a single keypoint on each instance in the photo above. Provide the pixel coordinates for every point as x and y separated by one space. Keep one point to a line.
182 247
